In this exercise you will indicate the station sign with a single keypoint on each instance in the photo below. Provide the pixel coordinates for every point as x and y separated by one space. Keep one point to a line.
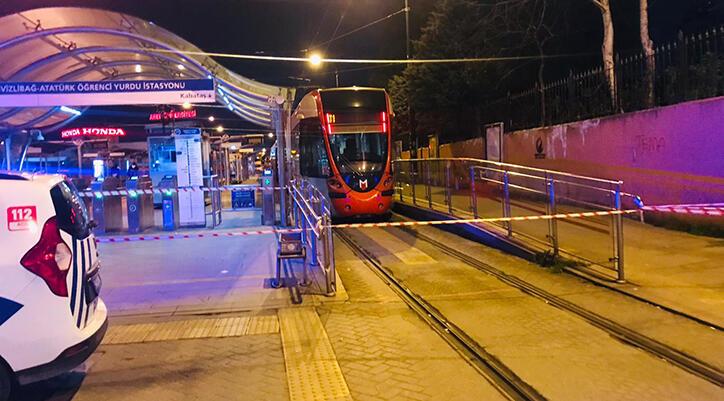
100 93
173 115
95 132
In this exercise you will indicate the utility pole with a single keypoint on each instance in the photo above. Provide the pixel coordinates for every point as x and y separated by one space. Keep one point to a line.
413 144
407 29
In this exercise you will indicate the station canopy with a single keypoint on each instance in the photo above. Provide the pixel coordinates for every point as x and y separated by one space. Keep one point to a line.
83 44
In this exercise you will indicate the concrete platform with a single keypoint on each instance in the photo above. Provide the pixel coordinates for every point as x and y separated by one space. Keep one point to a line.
370 347
197 275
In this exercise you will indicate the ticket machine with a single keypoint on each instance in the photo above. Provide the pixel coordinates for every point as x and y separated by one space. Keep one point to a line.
268 209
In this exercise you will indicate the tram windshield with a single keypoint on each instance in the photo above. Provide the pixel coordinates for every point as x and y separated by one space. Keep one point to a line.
360 153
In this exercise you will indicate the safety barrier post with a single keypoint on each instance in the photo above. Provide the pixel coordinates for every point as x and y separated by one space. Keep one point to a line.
618 234
328 255
293 197
551 209
398 179
448 190
303 219
473 196
414 182
428 189
506 202
314 204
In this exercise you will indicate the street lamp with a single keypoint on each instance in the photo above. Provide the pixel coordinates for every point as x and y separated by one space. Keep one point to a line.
315 59
270 135
212 118
186 105
219 129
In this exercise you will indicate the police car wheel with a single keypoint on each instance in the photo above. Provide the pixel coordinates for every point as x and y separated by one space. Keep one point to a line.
6 384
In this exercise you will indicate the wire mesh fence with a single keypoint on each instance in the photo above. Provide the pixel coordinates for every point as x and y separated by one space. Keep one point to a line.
690 68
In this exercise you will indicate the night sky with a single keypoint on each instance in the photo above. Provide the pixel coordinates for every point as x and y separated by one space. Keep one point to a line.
288 27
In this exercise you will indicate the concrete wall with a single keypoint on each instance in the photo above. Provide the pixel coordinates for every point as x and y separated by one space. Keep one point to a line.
672 154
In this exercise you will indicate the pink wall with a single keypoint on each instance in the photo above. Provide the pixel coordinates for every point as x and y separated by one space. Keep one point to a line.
671 154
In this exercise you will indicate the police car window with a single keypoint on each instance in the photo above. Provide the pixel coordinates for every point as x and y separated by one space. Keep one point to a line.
70 210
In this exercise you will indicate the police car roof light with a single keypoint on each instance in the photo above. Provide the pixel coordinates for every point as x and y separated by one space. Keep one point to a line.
41 259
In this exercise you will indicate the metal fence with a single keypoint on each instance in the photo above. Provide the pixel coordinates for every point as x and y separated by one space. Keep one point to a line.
689 68
466 188
312 216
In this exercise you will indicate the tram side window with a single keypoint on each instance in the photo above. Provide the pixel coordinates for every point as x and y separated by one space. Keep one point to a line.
313 155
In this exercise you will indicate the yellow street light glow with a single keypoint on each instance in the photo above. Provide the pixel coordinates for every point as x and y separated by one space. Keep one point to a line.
219 129
271 135
186 105
212 118
315 59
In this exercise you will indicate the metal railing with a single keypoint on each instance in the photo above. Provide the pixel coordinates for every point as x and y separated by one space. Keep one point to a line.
312 216
685 69
476 188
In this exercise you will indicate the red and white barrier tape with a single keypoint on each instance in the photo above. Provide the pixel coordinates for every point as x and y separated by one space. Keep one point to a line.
136 192
208 234
205 234
486 219
715 209
707 209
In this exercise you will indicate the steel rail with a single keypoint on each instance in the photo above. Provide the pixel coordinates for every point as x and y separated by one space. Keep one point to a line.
497 373
677 357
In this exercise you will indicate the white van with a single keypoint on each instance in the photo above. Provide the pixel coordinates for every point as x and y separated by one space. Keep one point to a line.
51 318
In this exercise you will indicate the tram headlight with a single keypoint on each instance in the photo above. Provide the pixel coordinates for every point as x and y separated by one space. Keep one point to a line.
334 183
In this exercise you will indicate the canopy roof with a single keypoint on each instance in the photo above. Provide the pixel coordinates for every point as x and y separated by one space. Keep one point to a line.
83 44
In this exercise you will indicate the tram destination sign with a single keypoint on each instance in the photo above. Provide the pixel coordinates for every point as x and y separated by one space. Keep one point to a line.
100 93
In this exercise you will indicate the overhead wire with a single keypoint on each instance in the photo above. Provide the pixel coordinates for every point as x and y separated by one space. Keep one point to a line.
369 61
361 28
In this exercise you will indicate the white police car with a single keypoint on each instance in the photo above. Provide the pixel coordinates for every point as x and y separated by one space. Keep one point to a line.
51 318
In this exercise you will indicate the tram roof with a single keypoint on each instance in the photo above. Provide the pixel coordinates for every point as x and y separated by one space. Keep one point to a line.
85 44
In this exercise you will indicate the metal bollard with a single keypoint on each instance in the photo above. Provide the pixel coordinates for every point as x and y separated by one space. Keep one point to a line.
618 230
428 189
315 239
551 209
506 203
448 190
473 196
412 178
328 256
399 184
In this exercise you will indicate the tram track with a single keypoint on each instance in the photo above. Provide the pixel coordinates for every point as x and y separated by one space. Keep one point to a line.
672 355
497 373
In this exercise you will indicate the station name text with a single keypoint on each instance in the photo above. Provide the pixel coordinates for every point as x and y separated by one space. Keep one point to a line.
91 87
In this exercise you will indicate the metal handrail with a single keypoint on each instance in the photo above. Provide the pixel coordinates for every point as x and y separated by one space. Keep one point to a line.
315 226
575 190
501 164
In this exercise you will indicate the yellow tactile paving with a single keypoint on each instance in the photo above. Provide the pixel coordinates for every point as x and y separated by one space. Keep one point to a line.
192 328
312 369
264 325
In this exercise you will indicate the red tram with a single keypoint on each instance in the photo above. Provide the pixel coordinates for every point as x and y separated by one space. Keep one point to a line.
342 137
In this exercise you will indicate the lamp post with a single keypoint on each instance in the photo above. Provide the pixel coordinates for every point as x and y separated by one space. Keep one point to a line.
413 144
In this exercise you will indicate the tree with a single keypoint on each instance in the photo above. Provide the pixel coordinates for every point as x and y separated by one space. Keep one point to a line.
648 48
609 67
451 97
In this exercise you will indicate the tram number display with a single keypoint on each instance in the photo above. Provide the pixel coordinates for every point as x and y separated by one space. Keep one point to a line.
22 218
